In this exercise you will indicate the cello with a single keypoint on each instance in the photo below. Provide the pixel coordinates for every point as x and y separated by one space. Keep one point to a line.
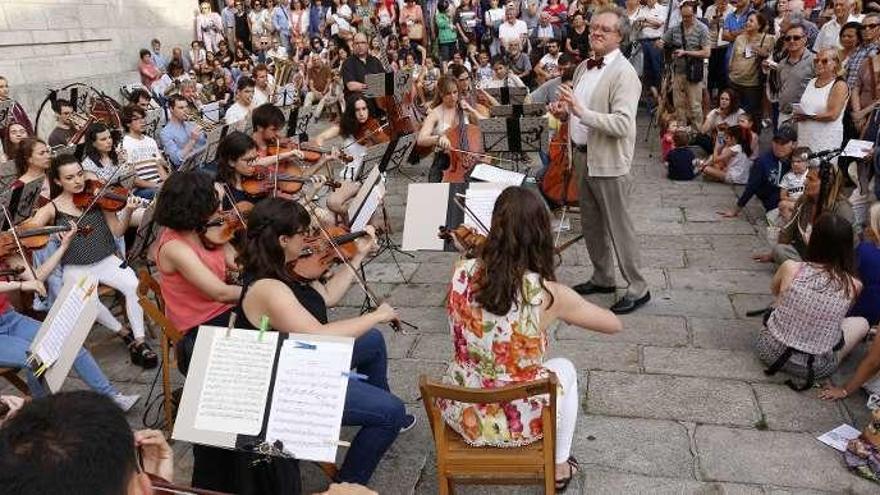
560 185
465 149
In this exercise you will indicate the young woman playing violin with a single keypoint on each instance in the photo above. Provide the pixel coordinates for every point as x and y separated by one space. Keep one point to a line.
18 331
192 258
276 237
359 130
32 160
447 113
95 254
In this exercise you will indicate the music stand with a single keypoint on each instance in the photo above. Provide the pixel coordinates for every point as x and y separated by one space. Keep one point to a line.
8 175
514 134
396 155
507 95
387 83
298 120
372 159
524 110
283 97
213 139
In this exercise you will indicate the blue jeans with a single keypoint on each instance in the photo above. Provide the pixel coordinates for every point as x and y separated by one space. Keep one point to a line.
370 405
17 331
146 193
652 65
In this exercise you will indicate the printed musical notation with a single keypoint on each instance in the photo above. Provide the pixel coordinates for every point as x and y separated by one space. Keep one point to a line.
239 371
309 397
52 343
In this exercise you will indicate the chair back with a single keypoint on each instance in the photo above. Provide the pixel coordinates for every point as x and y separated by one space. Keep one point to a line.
154 306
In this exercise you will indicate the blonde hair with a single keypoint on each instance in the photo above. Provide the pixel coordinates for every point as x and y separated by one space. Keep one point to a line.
872 233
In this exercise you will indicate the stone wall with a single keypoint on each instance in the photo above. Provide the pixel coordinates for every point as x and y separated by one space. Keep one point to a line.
50 43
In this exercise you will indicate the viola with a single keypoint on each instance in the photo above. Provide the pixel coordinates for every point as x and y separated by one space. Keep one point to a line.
470 242
559 185
32 237
263 181
319 255
371 133
113 198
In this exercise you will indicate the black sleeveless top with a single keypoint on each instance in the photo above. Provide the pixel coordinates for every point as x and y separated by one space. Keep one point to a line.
310 299
91 248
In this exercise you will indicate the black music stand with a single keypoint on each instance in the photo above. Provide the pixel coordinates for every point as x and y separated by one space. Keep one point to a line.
373 158
298 119
514 134
397 155
507 95
387 83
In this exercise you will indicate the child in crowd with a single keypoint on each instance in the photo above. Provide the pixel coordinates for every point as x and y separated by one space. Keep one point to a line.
791 187
680 160
732 164
746 122
484 69
667 138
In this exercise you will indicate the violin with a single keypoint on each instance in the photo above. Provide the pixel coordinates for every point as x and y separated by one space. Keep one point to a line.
470 242
371 133
220 229
264 181
559 185
11 272
319 255
32 237
113 198
310 152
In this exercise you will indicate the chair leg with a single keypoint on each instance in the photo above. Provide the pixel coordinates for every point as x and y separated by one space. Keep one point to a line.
550 483
445 485
17 382
166 384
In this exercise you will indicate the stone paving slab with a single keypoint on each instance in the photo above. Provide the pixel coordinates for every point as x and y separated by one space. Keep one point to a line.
792 460
700 400
602 482
607 356
691 303
731 334
787 410
718 280
638 329
734 365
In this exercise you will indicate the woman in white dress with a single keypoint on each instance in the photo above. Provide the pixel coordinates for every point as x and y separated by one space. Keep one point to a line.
209 27
820 116
259 21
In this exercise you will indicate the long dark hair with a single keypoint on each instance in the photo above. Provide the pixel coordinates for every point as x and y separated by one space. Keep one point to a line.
262 256
24 152
831 246
520 240
90 150
743 137
348 125
231 148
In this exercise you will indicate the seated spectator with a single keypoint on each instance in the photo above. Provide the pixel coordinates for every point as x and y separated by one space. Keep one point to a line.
791 187
716 121
501 77
807 333
148 70
868 265
79 442
765 173
825 185
499 330
680 160
518 63
732 164
747 123
548 66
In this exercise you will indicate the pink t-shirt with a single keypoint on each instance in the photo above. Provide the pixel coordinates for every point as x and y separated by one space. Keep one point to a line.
185 305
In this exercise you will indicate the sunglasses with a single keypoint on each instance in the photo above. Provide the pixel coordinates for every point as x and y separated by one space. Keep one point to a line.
793 38
870 26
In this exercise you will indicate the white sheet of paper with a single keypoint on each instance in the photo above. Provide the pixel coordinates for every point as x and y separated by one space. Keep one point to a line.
838 437
480 201
797 108
856 148
488 173
52 342
370 206
309 397
237 379
426 208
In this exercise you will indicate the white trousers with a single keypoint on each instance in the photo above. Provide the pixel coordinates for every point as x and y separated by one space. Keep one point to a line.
108 272
566 405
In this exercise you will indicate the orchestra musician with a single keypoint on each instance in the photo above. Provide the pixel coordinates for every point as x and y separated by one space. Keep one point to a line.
475 97
12 136
358 130
180 138
448 112
18 113
95 254
143 152
276 235
244 101
64 129
32 161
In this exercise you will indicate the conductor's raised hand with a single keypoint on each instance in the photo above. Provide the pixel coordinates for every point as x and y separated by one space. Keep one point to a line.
567 96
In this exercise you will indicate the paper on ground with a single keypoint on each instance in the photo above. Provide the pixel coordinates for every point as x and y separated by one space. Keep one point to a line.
838 437
239 371
309 397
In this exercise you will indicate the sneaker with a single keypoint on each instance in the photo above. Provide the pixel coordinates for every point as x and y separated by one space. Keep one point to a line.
126 402
409 423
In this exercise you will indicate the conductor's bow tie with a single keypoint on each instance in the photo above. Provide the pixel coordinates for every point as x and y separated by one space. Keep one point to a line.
595 63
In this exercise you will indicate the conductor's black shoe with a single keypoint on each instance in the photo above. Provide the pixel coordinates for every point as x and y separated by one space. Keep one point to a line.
628 304
588 288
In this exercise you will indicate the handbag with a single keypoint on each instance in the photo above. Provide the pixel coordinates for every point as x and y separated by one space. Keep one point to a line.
693 67
416 31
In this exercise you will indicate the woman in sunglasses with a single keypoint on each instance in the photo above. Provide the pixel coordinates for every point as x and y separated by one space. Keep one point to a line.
820 112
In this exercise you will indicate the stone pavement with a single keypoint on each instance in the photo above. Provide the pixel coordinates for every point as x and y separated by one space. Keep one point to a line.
675 403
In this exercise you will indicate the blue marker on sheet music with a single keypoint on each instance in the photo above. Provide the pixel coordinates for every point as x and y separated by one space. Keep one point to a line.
355 376
304 345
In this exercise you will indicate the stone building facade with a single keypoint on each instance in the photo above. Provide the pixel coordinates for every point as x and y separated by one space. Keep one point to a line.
50 43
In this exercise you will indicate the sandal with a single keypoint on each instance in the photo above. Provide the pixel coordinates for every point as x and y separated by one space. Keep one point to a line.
574 469
142 355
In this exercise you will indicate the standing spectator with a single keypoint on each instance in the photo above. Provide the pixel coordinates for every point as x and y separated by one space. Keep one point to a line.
467 20
749 49
558 12
714 17
209 27
386 13
865 90
734 25
764 8
530 13
446 35
149 72
242 28
412 23
159 60
227 15
820 119
543 33
259 22
512 29
358 65
281 23
653 20
688 50
577 41
493 18
794 71
829 35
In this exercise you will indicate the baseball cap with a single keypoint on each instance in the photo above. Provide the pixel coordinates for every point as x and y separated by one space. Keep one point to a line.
785 134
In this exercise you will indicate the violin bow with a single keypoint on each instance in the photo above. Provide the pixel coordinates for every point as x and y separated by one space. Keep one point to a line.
235 206
18 245
457 199
487 157
97 196
277 165
395 324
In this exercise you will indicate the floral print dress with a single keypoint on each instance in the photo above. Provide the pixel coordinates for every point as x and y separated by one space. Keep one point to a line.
493 351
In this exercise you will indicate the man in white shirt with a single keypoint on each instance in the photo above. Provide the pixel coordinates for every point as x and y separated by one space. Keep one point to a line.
829 35
602 124
264 85
548 66
512 29
502 77
652 16
142 151
244 101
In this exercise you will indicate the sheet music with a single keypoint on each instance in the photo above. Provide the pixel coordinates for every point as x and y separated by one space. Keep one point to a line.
370 206
480 202
309 397
488 173
237 380
52 342
856 148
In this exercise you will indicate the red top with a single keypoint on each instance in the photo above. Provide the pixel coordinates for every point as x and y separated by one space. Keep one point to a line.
185 305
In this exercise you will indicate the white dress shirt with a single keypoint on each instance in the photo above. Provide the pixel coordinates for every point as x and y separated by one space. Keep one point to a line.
582 93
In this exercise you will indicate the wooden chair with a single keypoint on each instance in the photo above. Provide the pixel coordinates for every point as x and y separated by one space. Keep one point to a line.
458 462
11 375
155 311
